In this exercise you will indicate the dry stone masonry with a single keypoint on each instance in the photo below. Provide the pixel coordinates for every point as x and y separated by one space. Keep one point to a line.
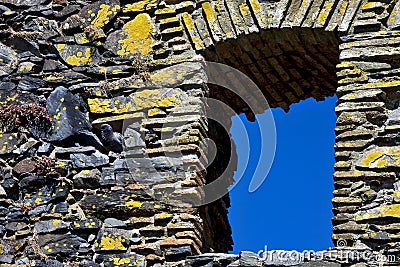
69 66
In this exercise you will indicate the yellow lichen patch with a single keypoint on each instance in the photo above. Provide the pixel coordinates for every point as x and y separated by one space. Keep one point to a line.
104 14
388 84
76 60
169 20
99 106
244 9
153 112
396 194
370 5
168 76
140 6
132 204
84 40
371 157
165 215
323 15
56 222
345 64
209 11
139 36
349 96
343 7
163 11
120 261
190 26
341 164
168 101
364 217
10 99
392 17
54 78
145 99
391 211
104 106
381 163
255 5
381 212
116 71
60 47
110 243
384 157
147 93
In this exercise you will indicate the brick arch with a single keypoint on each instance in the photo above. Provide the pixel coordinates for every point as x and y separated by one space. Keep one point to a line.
289 48
299 49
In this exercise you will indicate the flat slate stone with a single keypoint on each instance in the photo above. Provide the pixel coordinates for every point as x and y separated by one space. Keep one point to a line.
65 109
9 142
8 58
25 166
122 260
24 2
64 152
7 86
78 55
66 245
112 240
43 227
84 161
50 193
86 225
87 179
248 258
48 263
28 83
114 223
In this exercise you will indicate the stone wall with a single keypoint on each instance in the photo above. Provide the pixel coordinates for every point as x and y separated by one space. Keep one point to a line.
69 66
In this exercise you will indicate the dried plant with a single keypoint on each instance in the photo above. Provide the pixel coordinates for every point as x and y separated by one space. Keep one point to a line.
33 242
46 167
25 207
141 65
27 115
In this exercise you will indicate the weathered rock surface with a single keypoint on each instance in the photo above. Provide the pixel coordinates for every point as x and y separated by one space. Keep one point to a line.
65 109
139 66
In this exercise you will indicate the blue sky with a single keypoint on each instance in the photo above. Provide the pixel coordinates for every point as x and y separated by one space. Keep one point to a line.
292 208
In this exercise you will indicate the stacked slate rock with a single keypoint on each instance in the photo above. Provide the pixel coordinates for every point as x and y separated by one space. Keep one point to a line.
66 68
